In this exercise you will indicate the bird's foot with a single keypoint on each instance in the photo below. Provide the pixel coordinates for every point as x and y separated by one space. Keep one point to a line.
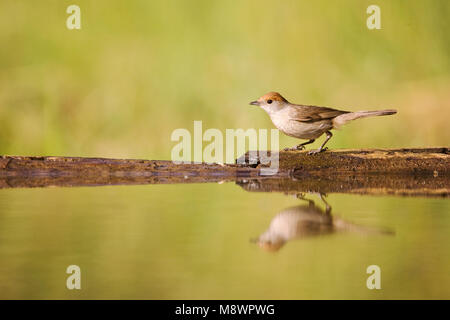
300 195
317 151
295 148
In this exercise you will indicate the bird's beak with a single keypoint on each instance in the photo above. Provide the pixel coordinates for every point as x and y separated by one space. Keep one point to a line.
254 240
254 103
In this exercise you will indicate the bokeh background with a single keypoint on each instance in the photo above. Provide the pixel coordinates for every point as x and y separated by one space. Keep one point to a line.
137 70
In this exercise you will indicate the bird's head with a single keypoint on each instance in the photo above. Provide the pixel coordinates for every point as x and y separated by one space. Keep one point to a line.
269 241
271 246
271 101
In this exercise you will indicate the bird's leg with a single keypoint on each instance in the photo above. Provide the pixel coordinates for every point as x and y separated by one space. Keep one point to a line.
302 197
329 135
300 146
327 206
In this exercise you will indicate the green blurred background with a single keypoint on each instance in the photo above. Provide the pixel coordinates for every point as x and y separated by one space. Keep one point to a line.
137 70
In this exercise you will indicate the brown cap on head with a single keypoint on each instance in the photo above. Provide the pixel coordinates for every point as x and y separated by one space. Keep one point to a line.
271 96
270 246
274 96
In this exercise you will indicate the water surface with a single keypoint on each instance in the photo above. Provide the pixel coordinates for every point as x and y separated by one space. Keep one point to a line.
205 241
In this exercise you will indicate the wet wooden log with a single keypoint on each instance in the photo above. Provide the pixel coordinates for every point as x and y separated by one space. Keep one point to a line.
19 171
404 172
387 171
421 185
406 161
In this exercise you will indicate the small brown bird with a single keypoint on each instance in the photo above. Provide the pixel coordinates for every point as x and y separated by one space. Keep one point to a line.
307 221
308 122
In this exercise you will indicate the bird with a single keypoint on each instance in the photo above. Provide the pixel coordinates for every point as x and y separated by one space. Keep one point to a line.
308 221
308 122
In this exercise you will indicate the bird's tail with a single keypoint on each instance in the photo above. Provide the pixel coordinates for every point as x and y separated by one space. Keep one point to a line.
342 225
346 117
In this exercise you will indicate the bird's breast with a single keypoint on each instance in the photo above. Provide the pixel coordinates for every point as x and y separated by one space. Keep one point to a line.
298 129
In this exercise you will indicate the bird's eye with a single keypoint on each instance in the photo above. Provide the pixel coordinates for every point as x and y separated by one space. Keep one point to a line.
269 101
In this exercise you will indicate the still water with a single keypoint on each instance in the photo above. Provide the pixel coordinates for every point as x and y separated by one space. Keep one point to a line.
219 241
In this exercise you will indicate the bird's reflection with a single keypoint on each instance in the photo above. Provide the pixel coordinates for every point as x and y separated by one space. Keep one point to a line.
305 221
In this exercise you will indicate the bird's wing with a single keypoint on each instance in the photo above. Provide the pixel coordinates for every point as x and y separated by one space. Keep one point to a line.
312 113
